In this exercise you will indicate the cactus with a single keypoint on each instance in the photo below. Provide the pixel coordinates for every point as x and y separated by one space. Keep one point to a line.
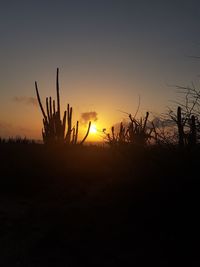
136 133
54 127
115 138
188 138
193 133
137 130
180 128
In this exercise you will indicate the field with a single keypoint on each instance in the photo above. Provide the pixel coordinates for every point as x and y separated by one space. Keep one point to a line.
97 206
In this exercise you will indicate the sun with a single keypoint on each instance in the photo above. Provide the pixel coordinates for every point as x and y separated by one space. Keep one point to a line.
93 129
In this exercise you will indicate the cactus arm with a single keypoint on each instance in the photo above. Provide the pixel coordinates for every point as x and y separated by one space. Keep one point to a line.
43 136
73 136
57 124
113 133
50 107
64 123
47 106
88 130
58 93
69 122
39 101
180 127
68 115
76 133
193 131
145 121
54 108
109 138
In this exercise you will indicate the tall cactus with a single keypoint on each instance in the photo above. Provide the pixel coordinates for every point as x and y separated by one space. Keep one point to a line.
193 132
188 138
54 127
180 128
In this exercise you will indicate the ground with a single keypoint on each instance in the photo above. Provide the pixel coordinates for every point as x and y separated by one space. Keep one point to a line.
95 206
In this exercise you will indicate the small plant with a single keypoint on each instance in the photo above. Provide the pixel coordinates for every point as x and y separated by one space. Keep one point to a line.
54 127
17 140
137 132
116 138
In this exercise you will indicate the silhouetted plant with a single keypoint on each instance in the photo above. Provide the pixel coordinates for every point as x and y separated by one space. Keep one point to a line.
54 127
137 132
164 131
193 132
115 138
16 140
180 125
186 136
187 115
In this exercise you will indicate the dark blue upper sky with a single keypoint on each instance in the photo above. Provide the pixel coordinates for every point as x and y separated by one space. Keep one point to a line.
108 51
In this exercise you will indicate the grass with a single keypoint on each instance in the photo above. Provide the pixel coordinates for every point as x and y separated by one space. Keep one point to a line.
98 206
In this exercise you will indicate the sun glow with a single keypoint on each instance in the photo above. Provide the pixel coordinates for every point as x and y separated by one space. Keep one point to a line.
93 129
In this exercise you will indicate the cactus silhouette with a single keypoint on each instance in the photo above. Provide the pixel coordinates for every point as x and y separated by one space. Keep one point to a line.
137 132
188 138
54 127
193 132
180 128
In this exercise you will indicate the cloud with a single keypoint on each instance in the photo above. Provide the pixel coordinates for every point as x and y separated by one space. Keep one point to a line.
163 122
89 116
26 100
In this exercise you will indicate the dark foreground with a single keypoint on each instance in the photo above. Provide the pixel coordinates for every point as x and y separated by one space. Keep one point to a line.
92 206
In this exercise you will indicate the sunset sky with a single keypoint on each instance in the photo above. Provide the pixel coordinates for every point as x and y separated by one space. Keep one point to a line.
109 52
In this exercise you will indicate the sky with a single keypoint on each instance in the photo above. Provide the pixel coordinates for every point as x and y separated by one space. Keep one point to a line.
109 53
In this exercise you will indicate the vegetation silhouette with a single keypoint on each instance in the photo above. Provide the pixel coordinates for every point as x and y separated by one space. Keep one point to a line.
187 116
54 127
136 133
134 205
17 140
185 138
